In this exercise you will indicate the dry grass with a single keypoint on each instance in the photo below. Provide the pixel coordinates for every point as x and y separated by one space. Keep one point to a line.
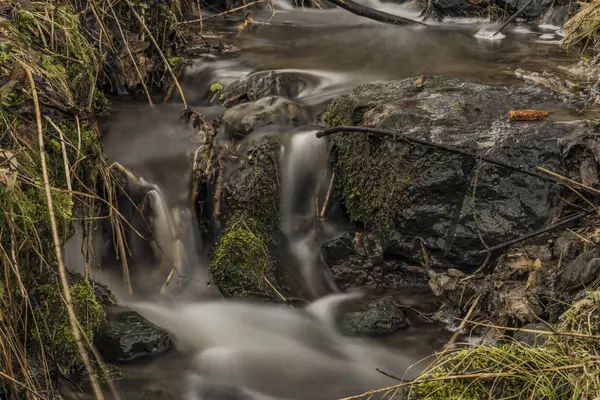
582 28
51 68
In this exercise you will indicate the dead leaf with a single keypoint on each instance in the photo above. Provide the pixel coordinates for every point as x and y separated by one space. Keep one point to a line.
537 263
521 262
526 115
419 81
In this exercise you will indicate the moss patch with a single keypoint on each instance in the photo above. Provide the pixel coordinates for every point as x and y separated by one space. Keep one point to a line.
251 218
52 330
241 261
370 178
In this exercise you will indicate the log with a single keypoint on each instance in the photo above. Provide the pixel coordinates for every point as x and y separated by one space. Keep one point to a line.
371 13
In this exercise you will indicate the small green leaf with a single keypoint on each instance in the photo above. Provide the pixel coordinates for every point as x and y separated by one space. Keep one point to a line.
216 87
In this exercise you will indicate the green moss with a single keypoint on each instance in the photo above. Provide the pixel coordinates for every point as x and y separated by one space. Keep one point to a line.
251 218
255 191
52 330
241 260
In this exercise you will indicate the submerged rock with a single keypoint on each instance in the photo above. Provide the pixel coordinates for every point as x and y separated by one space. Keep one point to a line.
241 120
356 260
379 317
268 83
424 198
129 336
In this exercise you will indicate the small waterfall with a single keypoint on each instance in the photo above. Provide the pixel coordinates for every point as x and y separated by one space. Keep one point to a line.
305 169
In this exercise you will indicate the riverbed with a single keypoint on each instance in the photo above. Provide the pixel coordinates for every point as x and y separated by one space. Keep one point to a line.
334 52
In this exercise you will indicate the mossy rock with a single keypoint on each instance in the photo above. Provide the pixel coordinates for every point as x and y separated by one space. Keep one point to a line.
420 196
52 330
241 261
250 219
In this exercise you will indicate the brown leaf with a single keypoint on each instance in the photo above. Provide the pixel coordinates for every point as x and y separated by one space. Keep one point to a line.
526 115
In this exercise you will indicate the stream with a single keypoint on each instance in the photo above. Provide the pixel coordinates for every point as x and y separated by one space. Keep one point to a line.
333 52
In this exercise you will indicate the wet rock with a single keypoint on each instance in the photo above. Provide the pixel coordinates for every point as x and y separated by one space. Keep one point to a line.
533 11
458 8
129 336
379 317
567 246
530 338
357 261
404 191
240 120
268 83
583 270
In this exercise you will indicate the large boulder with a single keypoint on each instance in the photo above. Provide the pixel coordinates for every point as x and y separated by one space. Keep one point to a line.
438 207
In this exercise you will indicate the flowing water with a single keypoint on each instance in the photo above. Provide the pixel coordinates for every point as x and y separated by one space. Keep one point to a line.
235 350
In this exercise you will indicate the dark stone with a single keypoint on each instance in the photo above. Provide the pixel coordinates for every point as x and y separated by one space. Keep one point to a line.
357 261
129 336
532 339
269 83
534 11
567 247
241 120
403 191
583 270
379 317
458 8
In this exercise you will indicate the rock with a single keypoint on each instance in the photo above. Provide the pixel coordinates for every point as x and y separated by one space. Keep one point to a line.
241 120
402 191
268 83
356 261
530 338
583 270
567 247
129 336
379 317
534 11
458 8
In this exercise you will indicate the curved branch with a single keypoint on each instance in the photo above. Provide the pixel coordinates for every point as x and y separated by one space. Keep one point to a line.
371 13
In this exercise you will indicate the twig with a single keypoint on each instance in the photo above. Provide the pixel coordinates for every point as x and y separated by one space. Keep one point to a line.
219 189
512 17
276 291
538 232
137 70
375 15
160 52
463 323
451 149
57 246
389 375
193 21
329 190
64 153
16 382
536 331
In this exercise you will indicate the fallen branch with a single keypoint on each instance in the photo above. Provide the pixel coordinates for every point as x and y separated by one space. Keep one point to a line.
57 245
463 323
512 17
375 15
531 235
451 149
